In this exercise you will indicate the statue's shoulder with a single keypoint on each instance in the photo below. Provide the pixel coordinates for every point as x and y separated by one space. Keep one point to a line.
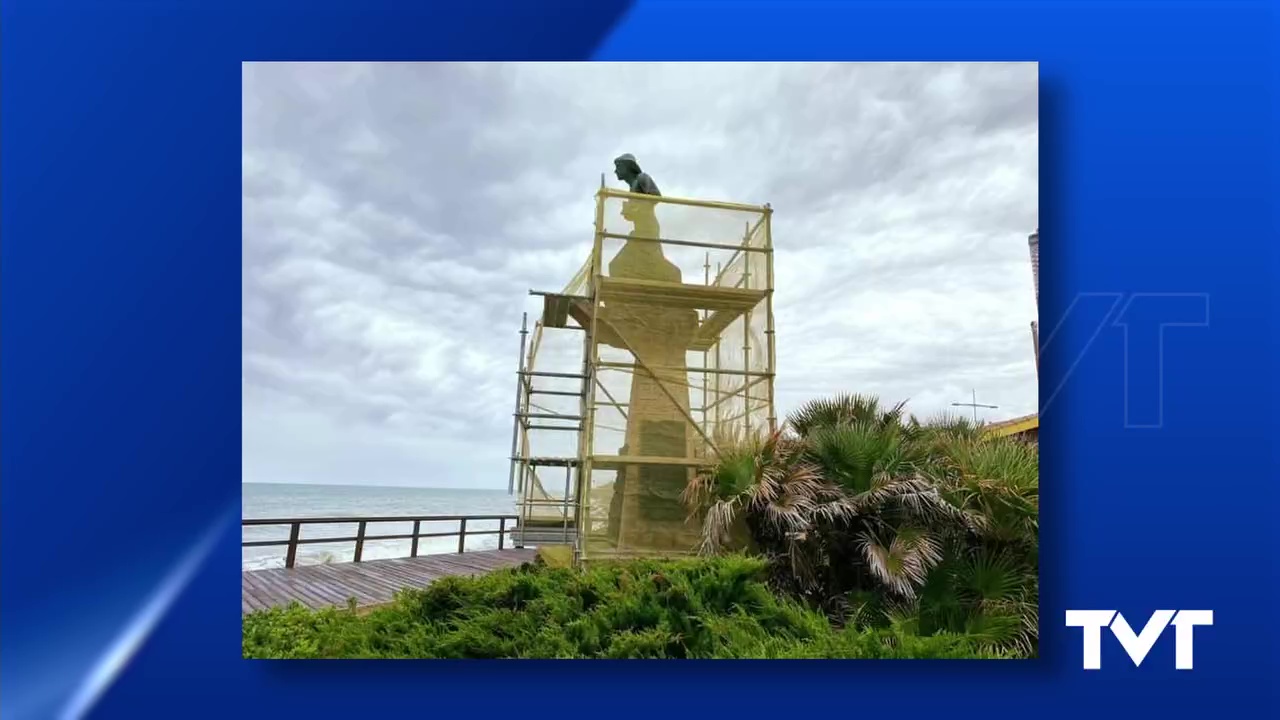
646 185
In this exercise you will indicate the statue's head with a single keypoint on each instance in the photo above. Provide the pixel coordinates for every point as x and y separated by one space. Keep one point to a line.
626 167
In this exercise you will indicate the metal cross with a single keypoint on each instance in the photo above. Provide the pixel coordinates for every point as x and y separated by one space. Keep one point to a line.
974 405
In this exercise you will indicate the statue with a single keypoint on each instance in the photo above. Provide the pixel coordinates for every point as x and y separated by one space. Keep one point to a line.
642 259
646 511
629 172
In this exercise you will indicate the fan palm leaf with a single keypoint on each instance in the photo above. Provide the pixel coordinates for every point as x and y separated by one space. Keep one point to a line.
842 410
902 563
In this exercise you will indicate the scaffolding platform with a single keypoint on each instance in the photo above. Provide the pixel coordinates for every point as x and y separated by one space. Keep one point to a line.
666 371
726 305
548 461
678 295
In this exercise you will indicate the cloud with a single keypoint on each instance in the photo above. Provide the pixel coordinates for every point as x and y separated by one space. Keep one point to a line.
395 216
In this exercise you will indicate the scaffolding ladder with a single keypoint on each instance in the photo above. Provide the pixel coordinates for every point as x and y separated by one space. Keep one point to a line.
543 518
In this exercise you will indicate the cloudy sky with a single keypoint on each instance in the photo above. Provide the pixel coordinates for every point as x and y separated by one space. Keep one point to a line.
396 215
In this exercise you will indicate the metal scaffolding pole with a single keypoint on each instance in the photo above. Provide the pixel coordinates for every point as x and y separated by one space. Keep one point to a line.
515 424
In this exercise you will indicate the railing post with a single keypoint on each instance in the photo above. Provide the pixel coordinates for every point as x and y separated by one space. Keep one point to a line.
462 535
502 531
360 541
292 553
417 524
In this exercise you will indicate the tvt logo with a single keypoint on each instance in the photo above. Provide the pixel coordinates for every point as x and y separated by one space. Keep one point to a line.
1143 319
1138 645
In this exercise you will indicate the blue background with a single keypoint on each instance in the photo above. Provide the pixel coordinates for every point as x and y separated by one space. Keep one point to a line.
120 350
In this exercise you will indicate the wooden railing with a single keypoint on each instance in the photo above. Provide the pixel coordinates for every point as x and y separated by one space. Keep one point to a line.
295 531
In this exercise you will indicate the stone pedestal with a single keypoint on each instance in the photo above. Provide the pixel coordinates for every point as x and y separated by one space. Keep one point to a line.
646 512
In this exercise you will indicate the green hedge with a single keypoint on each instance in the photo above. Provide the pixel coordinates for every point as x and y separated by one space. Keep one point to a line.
706 608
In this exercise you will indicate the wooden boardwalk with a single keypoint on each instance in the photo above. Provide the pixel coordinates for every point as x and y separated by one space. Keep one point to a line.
371 582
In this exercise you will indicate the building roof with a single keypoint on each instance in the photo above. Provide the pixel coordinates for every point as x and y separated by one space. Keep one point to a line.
1013 426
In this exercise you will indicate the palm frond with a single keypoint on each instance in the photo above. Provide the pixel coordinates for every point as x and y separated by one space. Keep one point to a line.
716 526
902 563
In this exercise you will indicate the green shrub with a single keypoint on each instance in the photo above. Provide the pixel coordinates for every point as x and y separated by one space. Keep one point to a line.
704 608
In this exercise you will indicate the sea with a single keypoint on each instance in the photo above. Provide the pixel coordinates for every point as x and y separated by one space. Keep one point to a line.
270 500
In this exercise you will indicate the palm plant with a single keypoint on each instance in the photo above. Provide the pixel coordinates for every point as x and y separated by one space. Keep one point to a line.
987 593
999 479
992 588
844 409
881 518
769 480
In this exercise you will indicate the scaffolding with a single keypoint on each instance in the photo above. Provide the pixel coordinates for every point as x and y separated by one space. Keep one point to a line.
665 372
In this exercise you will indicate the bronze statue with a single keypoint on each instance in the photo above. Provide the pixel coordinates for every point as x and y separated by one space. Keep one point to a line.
629 172
641 259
